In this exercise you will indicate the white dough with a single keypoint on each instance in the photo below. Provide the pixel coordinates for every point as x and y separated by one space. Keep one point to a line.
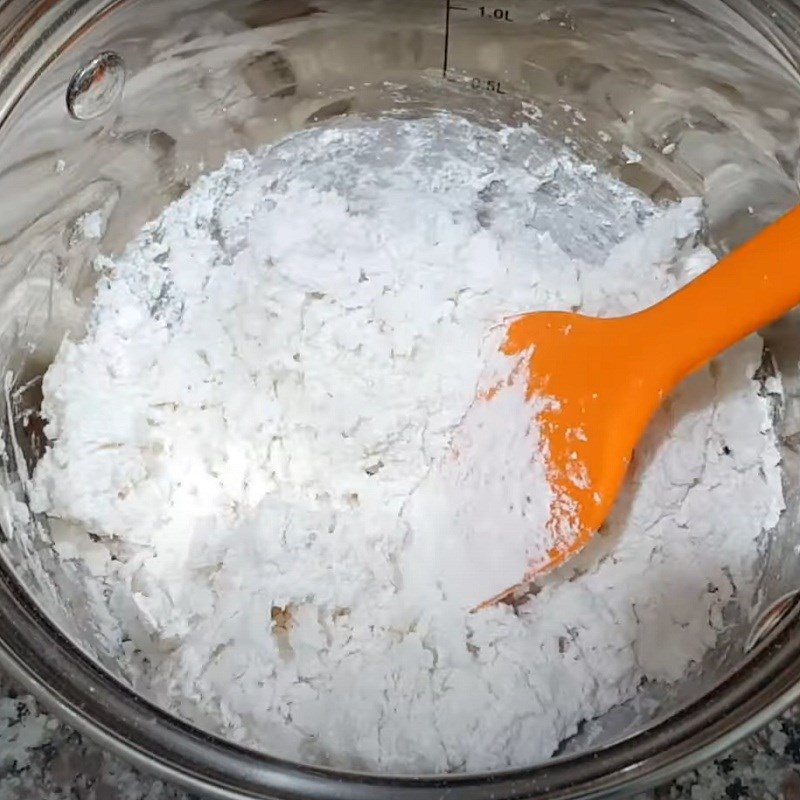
264 423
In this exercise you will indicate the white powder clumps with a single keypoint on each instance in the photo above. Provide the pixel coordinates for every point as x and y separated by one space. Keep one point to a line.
267 424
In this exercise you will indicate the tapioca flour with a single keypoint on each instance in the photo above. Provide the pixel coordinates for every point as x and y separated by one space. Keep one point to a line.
271 432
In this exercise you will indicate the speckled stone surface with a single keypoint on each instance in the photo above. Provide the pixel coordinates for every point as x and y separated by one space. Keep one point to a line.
41 759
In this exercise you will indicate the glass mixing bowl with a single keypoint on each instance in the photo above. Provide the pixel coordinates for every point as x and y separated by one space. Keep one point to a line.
113 107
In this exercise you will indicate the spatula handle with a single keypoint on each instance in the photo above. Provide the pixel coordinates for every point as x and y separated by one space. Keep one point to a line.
743 292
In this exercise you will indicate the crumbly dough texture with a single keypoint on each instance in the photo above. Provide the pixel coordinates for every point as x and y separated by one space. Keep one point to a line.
270 430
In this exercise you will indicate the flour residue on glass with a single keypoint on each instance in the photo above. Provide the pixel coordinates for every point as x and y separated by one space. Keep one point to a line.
266 431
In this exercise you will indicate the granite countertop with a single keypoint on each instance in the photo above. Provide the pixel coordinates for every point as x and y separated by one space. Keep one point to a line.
41 759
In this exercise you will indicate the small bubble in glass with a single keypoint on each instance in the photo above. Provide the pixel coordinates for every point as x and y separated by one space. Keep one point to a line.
96 86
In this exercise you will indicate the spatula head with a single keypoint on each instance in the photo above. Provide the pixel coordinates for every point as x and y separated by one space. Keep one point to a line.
602 392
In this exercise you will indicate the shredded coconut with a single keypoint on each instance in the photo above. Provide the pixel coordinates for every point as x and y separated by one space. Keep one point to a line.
272 426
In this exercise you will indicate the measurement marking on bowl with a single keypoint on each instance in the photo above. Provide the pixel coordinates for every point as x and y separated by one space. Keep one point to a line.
489 14
96 86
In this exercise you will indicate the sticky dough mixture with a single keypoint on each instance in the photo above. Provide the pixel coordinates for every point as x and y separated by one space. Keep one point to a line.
270 430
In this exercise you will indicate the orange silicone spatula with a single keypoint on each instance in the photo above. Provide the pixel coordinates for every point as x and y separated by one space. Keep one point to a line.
608 376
